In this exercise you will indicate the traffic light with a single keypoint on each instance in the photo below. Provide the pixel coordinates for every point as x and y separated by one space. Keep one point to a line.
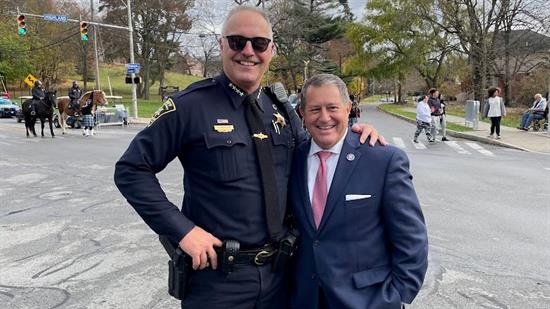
84 31
22 27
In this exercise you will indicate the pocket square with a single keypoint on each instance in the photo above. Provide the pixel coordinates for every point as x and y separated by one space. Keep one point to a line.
353 197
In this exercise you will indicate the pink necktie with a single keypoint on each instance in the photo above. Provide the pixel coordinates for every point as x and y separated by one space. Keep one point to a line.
320 190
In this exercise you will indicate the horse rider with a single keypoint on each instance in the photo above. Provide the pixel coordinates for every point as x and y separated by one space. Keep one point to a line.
38 94
74 95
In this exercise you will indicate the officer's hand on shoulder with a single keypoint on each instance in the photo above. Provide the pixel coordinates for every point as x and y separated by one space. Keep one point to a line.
199 244
367 130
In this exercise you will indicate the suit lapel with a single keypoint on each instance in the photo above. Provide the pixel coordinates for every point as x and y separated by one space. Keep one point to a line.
349 156
303 182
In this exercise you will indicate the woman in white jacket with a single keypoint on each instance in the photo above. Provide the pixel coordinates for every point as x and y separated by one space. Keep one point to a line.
494 109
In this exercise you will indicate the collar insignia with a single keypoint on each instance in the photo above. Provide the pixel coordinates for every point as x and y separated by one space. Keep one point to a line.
236 89
260 136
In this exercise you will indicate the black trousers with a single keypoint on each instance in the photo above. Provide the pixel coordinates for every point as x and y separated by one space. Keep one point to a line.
247 287
495 125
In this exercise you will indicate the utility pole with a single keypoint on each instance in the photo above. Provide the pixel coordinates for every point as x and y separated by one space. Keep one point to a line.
97 84
134 88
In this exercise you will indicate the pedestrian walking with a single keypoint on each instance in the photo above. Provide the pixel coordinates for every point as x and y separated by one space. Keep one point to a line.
494 109
423 120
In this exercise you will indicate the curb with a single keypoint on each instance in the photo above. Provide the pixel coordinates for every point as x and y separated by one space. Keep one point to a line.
462 134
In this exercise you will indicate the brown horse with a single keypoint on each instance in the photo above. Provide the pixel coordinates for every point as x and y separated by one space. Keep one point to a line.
65 111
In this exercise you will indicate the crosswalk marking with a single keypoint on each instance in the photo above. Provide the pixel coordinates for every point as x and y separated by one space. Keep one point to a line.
398 141
480 149
457 147
419 145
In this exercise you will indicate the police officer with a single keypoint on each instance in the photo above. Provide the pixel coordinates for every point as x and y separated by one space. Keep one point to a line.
207 129
74 95
38 94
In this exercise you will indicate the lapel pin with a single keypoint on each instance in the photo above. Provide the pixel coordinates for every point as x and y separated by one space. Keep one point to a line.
350 157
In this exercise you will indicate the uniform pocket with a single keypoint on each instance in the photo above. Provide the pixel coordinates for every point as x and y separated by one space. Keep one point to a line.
282 150
229 155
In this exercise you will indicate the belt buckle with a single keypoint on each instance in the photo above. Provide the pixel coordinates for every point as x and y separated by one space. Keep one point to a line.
259 258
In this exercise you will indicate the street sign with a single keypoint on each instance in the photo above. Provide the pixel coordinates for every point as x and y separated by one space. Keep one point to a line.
133 67
29 80
59 18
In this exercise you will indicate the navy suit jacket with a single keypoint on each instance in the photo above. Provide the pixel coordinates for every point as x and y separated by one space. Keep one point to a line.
369 252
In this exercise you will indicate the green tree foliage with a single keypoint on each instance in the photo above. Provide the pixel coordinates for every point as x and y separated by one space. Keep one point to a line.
158 30
301 32
15 59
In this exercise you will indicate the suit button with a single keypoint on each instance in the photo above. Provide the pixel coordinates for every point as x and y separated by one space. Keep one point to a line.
229 142
316 243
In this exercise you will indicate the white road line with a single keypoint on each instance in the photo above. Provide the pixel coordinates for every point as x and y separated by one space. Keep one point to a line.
457 147
419 145
398 141
547 168
4 143
480 149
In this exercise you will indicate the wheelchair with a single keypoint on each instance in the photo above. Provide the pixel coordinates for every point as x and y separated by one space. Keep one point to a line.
541 124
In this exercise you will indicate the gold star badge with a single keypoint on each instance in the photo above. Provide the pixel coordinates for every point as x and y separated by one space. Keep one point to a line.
279 119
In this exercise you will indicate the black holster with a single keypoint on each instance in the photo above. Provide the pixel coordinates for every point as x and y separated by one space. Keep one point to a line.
287 247
179 269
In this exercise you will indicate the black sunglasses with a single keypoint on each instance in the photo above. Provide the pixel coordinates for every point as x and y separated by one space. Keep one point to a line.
238 42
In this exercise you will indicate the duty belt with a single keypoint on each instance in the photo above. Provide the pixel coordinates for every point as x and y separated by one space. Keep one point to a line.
258 256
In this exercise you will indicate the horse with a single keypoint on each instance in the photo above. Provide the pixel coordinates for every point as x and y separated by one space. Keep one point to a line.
64 103
44 109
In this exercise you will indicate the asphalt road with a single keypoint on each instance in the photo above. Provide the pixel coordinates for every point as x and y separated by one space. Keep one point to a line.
69 239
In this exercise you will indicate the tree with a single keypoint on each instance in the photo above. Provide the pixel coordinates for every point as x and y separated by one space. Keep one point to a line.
301 32
158 29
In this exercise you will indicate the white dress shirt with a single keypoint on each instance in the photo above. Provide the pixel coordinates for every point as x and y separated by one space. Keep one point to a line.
313 163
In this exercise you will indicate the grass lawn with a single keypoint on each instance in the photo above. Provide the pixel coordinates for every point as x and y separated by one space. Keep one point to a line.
513 114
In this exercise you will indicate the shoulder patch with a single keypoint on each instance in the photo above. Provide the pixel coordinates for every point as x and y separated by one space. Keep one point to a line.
166 108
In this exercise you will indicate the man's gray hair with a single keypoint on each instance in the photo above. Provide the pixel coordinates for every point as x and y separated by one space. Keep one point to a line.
241 8
322 80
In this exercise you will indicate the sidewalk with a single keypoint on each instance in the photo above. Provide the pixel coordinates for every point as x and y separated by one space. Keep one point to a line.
510 137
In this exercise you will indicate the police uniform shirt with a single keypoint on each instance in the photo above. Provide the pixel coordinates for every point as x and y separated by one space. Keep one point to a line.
206 128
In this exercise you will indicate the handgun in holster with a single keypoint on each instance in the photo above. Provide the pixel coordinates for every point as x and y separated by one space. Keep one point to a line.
179 268
287 247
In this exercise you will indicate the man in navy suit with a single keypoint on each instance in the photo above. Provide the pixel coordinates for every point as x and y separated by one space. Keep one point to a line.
363 237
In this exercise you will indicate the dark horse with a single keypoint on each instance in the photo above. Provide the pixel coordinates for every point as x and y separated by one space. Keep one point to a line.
44 110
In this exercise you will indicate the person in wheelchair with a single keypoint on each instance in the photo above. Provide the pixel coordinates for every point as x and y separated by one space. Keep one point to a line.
537 111
38 94
542 123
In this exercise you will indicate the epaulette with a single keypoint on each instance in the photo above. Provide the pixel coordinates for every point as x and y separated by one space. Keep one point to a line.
209 82
170 106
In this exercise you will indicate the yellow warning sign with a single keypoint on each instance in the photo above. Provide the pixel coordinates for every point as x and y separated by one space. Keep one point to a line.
29 80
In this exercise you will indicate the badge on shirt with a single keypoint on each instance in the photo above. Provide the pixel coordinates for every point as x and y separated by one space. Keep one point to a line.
260 136
168 107
278 123
224 128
